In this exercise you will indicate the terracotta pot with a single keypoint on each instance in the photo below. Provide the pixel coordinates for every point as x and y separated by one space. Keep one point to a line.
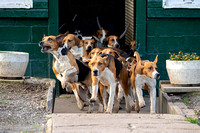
183 72
13 64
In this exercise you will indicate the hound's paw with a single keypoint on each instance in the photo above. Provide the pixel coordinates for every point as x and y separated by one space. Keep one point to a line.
80 105
152 112
142 104
100 110
89 111
92 100
108 111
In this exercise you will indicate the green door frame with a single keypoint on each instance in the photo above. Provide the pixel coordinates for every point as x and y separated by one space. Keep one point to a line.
53 26
140 26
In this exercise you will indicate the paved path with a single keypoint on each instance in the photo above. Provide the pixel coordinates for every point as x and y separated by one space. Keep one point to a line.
68 118
121 123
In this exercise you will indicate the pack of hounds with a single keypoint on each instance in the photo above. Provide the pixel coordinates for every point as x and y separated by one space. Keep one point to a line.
98 70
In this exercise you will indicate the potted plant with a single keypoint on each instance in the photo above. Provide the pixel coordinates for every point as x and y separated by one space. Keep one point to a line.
183 68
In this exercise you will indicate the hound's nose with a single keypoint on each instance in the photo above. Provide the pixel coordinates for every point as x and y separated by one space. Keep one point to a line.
41 43
95 72
89 48
117 45
157 76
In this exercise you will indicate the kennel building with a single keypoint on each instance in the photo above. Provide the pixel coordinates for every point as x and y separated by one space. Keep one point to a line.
157 30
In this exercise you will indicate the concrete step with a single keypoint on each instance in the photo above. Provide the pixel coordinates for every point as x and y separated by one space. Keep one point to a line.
66 103
120 123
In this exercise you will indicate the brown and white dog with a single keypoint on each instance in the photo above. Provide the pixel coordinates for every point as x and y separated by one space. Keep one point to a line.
100 36
114 53
73 43
88 46
143 76
109 71
112 41
68 69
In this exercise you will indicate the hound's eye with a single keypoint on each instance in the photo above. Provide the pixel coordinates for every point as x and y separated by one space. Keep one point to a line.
49 39
69 40
110 53
92 52
101 34
150 68
112 40
156 68
86 42
99 64
92 64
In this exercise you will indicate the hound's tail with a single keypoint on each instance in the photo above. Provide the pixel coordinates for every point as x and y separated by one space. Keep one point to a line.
137 55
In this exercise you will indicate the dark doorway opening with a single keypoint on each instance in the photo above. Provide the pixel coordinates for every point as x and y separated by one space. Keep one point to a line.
111 15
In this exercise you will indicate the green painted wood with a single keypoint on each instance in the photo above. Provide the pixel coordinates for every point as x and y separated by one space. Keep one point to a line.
40 4
172 13
140 30
173 27
154 3
15 34
38 32
21 13
173 44
53 30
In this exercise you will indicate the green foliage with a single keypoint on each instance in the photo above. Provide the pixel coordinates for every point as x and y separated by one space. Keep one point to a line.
192 120
183 57
185 100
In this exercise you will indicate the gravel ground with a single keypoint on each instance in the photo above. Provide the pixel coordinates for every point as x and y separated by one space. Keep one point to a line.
22 107
191 100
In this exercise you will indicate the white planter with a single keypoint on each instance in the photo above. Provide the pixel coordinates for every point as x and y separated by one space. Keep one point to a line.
183 72
13 64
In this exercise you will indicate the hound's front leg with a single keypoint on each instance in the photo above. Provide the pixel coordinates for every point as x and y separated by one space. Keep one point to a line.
80 103
95 88
152 93
140 96
111 97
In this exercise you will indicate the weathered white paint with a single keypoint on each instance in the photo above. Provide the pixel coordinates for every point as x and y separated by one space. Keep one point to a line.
13 64
16 3
183 72
181 3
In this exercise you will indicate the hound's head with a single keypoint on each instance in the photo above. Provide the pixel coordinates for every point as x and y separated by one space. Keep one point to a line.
98 64
132 45
51 43
111 52
100 35
112 41
71 40
150 69
94 52
89 44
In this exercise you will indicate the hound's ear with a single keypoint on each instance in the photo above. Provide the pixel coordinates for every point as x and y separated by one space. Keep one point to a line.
99 53
117 55
77 41
44 35
156 59
105 41
87 60
94 43
60 37
81 43
106 59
